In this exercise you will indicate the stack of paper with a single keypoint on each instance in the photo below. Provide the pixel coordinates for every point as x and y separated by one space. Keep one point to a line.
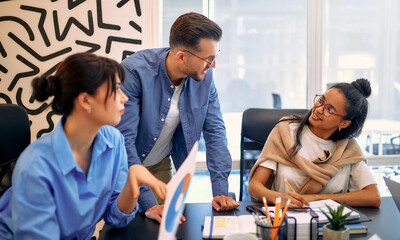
299 221
319 206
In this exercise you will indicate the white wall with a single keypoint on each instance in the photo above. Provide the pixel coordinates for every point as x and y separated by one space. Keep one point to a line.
36 35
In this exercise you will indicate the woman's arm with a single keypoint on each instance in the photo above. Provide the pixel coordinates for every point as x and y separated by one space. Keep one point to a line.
366 197
258 190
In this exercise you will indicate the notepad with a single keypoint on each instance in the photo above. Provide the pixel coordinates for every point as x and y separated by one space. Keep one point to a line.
319 206
219 226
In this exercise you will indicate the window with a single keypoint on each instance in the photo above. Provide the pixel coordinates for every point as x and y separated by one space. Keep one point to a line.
263 51
361 40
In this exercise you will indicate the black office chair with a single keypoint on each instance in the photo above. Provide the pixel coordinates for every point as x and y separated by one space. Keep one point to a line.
395 142
257 123
15 136
276 99
388 148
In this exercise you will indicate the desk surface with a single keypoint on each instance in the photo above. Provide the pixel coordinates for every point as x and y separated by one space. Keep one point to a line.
385 223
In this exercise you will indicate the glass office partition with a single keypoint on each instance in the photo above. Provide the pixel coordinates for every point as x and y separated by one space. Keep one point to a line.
263 52
361 39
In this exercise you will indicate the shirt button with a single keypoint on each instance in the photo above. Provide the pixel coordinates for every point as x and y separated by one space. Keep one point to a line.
172 86
169 99
155 139
143 155
162 119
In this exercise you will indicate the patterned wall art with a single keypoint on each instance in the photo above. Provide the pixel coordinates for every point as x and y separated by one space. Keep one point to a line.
36 35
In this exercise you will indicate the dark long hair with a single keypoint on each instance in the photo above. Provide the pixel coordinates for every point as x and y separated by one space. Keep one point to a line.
189 28
356 94
80 72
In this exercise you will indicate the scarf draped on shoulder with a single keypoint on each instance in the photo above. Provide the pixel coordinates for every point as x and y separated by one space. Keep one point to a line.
278 148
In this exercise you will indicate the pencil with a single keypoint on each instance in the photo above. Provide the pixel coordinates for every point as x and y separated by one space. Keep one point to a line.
286 181
284 212
277 211
266 209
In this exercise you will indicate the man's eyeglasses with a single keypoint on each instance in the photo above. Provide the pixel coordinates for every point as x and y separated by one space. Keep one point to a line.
208 61
328 109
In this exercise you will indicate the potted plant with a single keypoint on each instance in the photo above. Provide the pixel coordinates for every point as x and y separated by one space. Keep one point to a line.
336 227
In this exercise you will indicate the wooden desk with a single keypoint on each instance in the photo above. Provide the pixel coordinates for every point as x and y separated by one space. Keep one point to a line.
385 222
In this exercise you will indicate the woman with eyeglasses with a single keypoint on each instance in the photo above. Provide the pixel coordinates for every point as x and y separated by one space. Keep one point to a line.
317 154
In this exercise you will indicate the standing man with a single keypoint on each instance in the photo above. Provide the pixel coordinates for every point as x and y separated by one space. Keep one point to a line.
172 100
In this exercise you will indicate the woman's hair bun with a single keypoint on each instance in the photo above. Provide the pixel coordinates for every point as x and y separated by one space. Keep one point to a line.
44 87
363 86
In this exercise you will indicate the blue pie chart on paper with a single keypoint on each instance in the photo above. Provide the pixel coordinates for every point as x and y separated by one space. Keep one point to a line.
176 205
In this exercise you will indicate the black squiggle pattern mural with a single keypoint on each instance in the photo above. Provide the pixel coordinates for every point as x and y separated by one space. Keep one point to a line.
60 37
100 19
43 14
35 70
37 35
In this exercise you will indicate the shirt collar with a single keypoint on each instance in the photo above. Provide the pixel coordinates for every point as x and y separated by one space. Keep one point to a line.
163 58
63 152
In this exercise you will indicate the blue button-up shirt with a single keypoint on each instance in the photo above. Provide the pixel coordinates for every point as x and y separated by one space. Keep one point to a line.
148 88
52 198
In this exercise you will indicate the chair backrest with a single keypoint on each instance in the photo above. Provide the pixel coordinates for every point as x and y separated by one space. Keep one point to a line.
395 142
15 136
276 99
257 123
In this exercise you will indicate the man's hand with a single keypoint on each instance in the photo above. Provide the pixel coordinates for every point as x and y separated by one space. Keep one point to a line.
224 203
156 212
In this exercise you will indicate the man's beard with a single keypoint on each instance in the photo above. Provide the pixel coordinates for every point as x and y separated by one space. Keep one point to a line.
196 76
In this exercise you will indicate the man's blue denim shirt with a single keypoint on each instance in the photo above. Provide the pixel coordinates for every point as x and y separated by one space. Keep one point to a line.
149 89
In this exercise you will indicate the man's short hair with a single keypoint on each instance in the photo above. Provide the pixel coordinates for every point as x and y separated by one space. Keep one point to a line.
189 28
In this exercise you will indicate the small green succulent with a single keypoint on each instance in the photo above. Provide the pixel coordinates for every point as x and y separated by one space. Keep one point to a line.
336 218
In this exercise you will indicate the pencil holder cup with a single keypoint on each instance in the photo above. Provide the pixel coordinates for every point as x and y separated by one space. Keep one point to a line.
267 232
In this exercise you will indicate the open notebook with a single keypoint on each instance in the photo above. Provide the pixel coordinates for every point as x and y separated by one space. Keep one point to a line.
317 207
216 227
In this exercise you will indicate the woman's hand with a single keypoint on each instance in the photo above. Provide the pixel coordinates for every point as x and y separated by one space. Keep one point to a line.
129 195
296 200
138 175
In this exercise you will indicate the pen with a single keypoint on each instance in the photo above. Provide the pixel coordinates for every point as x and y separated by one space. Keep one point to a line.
286 181
266 209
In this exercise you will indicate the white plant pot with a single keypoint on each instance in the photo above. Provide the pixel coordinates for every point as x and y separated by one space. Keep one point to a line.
329 234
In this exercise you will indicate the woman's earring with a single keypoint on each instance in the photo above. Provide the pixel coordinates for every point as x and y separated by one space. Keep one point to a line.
89 110
340 129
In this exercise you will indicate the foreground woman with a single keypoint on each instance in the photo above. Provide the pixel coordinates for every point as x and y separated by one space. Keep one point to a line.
66 181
